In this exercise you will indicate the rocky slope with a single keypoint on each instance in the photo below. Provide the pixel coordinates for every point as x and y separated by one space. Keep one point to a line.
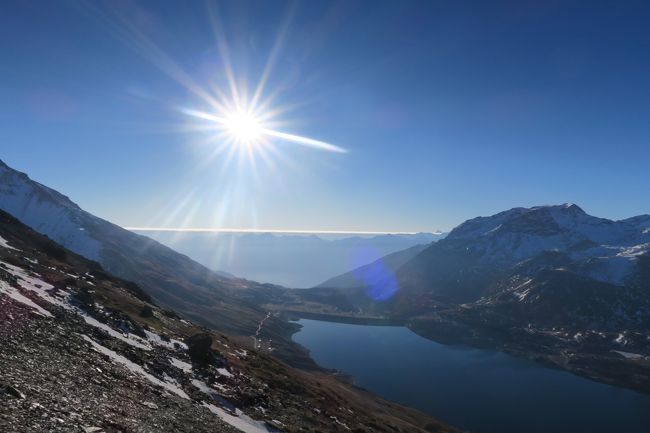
83 351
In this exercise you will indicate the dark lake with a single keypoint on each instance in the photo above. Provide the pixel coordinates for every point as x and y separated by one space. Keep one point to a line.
480 390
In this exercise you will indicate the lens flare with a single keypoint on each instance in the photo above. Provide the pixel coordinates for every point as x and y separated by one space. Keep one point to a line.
378 280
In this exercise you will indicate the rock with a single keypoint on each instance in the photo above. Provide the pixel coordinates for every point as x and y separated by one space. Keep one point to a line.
85 298
199 348
92 429
12 391
150 405
146 311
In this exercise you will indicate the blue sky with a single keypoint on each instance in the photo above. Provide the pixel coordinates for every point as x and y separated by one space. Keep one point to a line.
448 110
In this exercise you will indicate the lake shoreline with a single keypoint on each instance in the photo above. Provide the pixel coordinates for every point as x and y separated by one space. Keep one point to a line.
603 366
449 381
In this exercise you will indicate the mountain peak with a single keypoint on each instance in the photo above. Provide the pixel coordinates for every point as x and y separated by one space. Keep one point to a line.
572 207
564 207
544 220
22 188
516 217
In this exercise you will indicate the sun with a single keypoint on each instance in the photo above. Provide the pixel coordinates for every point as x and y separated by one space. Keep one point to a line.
243 127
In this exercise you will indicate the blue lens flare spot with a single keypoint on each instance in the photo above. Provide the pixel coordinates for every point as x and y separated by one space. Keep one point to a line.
378 280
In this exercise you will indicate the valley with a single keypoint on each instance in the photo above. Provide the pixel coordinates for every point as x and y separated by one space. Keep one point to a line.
85 351
549 284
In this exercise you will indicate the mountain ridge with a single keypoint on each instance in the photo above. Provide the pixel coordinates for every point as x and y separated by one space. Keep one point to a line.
296 261
172 279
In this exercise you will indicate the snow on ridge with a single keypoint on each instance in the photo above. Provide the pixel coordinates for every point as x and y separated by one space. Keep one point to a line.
522 295
600 248
46 211
634 251
568 216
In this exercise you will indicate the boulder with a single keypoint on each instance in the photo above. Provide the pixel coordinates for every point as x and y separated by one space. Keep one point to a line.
199 348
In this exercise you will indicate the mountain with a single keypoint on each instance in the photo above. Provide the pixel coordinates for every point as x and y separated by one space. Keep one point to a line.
84 351
548 282
358 276
291 260
172 279
487 255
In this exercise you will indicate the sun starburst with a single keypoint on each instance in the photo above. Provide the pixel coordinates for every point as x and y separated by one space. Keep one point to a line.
248 127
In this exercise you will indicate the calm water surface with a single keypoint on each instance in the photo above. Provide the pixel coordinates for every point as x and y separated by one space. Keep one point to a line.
479 390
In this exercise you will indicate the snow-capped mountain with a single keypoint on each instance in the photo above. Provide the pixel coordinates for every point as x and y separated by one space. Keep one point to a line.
599 248
592 247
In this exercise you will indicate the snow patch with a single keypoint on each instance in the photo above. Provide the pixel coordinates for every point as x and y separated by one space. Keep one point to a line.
38 286
185 366
629 355
135 368
130 339
634 251
224 372
5 244
240 421
521 295
169 344
18 297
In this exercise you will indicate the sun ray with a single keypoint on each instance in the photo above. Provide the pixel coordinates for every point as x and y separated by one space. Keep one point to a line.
224 51
270 63
310 142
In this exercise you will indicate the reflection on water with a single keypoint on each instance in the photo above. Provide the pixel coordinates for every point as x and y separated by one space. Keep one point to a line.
480 390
